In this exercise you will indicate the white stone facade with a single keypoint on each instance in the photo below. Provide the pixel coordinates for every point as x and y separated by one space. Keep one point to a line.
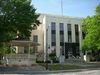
44 37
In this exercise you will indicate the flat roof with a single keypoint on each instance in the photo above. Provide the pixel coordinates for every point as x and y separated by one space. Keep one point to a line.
62 16
22 43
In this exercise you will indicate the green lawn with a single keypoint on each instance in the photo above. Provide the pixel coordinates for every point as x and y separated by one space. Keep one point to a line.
61 66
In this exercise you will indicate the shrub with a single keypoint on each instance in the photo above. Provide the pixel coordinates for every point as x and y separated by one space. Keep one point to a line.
15 65
33 64
53 57
1 63
43 61
5 65
24 65
39 61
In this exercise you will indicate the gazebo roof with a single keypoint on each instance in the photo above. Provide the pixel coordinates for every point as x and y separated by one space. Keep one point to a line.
22 43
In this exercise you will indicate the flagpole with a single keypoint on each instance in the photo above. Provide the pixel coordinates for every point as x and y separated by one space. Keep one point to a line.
62 7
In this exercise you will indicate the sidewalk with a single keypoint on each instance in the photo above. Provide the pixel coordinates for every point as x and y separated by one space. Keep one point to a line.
9 68
49 72
87 65
42 70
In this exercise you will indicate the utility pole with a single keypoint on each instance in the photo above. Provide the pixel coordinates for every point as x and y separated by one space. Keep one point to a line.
46 49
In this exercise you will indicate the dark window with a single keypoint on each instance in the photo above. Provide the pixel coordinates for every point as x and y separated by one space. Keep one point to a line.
53 26
53 33
61 38
77 33
69 38
77 38
53 37
69 27
61 43
34 27
76 27
35 38
69 33
62 32
53 43
61 27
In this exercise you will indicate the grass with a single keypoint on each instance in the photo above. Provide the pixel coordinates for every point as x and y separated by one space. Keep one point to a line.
1 63
61 66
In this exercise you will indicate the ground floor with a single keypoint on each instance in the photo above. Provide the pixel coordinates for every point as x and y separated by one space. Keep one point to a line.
65 51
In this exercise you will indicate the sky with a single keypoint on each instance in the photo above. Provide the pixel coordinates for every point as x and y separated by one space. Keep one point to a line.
78 8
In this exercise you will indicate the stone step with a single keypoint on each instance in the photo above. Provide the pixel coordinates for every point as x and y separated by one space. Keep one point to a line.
74 61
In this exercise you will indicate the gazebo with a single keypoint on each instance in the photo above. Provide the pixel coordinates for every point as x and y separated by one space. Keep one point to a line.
20 58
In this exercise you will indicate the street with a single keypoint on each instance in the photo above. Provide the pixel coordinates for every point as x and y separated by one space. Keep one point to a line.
66 72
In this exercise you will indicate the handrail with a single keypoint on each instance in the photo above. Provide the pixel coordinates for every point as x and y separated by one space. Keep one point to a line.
20 56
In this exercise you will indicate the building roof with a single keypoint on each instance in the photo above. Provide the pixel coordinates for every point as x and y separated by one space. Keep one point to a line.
22 43
62 16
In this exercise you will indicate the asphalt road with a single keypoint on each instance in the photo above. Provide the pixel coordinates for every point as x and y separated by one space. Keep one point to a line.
92 71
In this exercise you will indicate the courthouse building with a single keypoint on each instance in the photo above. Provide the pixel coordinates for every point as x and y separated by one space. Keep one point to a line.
59 34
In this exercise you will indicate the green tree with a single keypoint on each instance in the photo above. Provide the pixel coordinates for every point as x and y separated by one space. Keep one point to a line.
98 9
91 28
16 16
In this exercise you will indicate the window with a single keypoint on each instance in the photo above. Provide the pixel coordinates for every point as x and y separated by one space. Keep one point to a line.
34 27
61 27
53 33
77 33
61 38
69 27
69 38
53 38
77 38
53 26
69 33
76 27
35 38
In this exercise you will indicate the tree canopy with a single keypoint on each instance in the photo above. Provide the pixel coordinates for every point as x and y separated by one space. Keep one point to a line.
16 16
91 28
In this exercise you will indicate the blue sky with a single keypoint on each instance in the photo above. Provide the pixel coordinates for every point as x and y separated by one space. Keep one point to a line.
79 8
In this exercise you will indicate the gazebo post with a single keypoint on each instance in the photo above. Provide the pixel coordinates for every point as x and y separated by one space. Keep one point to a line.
11 48
35 52
29 51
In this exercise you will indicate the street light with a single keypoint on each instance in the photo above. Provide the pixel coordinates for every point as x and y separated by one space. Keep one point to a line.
47 47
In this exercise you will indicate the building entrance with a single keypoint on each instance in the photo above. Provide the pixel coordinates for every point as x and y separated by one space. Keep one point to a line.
72 50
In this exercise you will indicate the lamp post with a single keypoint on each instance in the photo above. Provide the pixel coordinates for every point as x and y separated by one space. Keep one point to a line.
47 47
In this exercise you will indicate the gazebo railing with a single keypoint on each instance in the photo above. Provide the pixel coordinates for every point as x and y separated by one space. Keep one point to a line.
19 56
